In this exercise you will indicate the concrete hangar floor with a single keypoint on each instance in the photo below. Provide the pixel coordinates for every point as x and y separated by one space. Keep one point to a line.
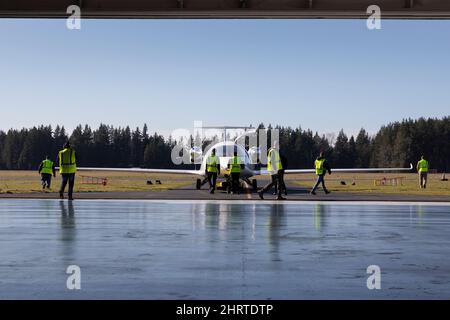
214 249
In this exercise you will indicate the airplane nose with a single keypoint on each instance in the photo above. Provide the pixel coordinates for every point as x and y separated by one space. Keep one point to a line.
224 162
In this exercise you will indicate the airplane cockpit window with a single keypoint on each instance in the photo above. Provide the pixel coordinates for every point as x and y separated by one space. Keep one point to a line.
228 151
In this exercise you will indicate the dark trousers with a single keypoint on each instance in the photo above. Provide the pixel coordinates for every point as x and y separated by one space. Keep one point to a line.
234 183
320 180
423 179
205 180
212 184
67 178
274 183
46 180
281 184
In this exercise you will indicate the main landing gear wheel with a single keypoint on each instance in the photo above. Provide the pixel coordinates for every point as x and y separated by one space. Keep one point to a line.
199 184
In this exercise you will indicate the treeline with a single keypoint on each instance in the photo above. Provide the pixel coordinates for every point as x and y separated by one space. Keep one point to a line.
104 147
394 145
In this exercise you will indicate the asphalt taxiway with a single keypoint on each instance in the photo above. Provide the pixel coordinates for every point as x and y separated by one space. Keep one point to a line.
190 193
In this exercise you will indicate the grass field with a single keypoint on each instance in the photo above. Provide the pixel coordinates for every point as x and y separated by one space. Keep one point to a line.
29 182
364 183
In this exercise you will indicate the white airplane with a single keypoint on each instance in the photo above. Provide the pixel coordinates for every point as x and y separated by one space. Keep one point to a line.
225 150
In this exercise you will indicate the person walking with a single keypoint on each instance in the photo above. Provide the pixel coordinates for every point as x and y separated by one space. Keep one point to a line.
46 170
212 170
321 166
422 169
274 168
284 164
67 169
235 165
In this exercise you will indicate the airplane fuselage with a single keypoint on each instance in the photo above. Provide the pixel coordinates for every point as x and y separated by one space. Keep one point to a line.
225 151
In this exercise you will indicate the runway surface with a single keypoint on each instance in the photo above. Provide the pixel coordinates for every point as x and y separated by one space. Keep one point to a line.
223 249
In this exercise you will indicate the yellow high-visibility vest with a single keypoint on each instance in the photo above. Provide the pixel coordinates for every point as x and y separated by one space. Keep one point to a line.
47 167
422 165
235 164
318 164
211 163
67 161
274 161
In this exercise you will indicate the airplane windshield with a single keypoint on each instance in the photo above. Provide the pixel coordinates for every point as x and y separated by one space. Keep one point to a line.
228 151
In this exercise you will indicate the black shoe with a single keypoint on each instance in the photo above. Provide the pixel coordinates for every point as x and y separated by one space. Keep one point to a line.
313 193
285 193
70 198
61 196
212 191
260 194
281 198
327 192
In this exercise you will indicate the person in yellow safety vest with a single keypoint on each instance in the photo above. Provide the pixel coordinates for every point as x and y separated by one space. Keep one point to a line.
235 165
321 166
67 169
422 169
212 170
46 170
284 164
274 168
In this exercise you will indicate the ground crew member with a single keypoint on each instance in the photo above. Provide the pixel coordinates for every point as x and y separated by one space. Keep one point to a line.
212 170
322 166
422 169
67 169
274 168
284 164
235 165
46 170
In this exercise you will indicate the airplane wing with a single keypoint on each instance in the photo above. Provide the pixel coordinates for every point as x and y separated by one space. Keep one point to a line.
171 171
350 170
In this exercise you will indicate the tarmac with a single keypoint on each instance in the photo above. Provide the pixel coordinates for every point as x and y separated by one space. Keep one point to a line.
212 249
190 193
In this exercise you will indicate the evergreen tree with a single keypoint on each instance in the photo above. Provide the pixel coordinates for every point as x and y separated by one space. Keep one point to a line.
13 146
2 147
363 149
136 148
102 146
351 152
59 139
341 157
38 144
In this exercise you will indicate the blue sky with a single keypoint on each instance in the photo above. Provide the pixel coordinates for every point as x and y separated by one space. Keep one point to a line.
320 74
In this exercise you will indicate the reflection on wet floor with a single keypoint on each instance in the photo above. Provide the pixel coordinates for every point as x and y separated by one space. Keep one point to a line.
223 250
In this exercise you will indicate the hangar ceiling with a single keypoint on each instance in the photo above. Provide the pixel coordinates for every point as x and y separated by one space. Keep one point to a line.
402 9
